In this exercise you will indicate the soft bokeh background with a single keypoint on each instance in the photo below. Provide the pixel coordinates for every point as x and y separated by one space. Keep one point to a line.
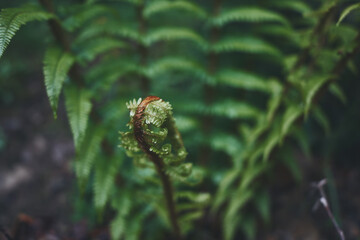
37 152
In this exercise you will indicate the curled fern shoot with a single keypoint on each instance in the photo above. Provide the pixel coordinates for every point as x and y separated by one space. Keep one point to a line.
151 125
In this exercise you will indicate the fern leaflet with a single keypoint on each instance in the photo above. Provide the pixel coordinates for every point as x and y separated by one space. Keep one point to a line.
11 20
78 108
56 66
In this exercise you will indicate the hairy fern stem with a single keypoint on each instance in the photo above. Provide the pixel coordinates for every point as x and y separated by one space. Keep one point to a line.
158 162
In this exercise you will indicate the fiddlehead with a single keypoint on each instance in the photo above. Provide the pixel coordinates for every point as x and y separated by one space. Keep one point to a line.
146 115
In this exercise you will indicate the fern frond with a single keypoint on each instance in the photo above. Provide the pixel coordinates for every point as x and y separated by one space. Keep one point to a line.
243 80
289 117
118 226
347 11
11 20
247 14
230 224
78 107
171 34
298 6
56 66
312 87
87 154
245 44
105 173
170 64
92 48
84 14
109 28
234 110
165 6
227 143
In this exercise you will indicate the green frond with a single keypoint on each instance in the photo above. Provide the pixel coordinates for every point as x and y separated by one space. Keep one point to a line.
234 110
11 20
84 14
247 14
90 49
297 6
347 11
165 6
56 66
224 187
322 119
111 28
78 107
105 173
245 44
291 114
242 80
271 142
231 223
180 64
171 34
118 225
87 154
193 197
312 87
336 90
227 143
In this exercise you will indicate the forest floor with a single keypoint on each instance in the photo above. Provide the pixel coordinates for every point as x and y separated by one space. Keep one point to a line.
37 182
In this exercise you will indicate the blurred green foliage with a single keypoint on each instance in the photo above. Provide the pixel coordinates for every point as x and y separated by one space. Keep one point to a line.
250 82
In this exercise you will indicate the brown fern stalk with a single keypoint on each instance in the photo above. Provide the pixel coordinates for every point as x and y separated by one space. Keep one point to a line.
158 162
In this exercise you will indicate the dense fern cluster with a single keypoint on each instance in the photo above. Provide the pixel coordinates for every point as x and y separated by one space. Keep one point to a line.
241 76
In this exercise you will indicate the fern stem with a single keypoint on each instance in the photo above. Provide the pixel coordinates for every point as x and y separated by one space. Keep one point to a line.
158 162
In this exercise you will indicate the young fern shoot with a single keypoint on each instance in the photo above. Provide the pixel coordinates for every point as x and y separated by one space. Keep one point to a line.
153 136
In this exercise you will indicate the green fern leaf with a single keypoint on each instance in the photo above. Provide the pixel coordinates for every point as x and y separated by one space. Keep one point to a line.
11 20
248 14
78 107
291 114
239 199
298 6
312 87
105 173
84 14
336 90
168 64
92 48
170 34
165 6
234 110
87 154
245 44
56 66
321 118
347 11
243 80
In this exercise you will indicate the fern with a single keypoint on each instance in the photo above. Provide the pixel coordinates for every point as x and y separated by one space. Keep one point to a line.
78 108
91 49
248 15
242 80
87 154
56 66
347 11
165 6
174 34
170 64
84 14
11 20
245 44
